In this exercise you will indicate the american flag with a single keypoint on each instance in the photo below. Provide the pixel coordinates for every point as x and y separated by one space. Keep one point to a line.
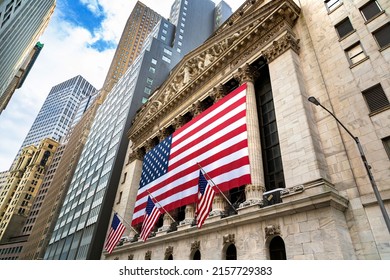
216 139
116 231
152 213
206 195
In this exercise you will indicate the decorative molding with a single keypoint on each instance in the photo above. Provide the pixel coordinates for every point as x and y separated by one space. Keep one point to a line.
272 230
280 46
168 252
229 239
137 154
148 255
195 246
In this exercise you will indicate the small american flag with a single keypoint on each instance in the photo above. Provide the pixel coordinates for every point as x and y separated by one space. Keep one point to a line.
217 139
116 231
206 196
152 213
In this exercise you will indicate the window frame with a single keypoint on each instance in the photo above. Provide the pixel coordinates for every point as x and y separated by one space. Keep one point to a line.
351 58
342 24
386 25
381 11
377 87
334 6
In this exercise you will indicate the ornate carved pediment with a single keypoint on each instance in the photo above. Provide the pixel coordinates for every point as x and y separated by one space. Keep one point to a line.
253 27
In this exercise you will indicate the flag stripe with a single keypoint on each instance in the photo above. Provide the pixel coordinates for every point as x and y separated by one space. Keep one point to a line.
217 139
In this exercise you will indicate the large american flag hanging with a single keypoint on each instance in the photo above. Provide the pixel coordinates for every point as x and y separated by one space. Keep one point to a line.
216 139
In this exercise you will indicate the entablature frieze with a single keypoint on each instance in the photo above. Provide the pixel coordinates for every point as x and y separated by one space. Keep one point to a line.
262 32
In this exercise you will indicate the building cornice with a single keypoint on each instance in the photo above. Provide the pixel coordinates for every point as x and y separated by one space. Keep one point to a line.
266 30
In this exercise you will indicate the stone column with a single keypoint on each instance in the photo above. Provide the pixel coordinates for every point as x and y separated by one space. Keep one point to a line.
219 205
254 191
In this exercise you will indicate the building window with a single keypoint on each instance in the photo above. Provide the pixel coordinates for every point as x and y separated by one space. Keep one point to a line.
147 90
144 100
386 144
344 28
355 54
154 61
152 69
376 98
149 81
370 10
164 31
382 35
168 52
163 37
178 50
331 5
166 59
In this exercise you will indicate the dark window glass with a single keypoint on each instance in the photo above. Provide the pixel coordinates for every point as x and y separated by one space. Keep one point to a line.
382 35
231 252
376 98
370 10
344 28
277 250
386 143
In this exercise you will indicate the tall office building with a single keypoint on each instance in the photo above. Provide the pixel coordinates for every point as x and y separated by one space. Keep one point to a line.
311 195
21 24
58 110
139 24
81 227
22 186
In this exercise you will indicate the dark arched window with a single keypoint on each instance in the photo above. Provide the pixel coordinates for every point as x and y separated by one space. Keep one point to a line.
277 250
231 252
196 255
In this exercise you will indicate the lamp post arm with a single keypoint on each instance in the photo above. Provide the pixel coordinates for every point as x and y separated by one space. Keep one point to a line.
354 138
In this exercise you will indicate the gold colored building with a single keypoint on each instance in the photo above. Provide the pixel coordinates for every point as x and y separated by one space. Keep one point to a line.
140 23
310 196
22 187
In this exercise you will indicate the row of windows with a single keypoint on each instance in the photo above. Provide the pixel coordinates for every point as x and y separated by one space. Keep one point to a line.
355 53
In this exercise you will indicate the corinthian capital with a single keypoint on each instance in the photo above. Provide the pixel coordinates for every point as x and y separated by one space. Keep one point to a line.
246 74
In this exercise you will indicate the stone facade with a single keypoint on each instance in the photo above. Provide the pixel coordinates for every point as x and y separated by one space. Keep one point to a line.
327 209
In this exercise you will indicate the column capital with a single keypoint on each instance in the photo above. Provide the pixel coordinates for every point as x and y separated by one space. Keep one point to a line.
137 154
218 92
196 108
247 73
280 46
178 122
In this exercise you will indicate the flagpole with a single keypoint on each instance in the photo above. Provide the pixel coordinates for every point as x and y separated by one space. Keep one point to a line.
209 178
161 207
127 223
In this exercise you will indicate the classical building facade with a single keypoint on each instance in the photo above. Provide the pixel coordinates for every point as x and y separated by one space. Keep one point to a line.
22 187
310 196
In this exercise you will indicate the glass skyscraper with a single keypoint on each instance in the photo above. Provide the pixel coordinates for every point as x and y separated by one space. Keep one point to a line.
21 24
58 110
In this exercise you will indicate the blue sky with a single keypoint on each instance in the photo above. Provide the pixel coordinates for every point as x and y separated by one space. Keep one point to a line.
79 40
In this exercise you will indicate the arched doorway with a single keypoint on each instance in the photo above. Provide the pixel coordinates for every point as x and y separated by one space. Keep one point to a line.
277 250
196 255
231 252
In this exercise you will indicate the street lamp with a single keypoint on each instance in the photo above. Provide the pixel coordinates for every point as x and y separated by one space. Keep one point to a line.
313 100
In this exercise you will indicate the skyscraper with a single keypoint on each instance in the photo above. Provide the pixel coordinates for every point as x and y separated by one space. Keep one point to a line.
22 186
21 24
58 110
79 232
139 24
